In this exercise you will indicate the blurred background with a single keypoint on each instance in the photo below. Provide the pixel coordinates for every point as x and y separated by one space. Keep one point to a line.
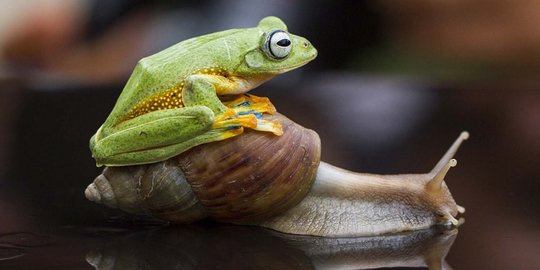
394 84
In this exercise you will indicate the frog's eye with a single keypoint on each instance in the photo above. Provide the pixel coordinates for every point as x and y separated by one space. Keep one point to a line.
277 44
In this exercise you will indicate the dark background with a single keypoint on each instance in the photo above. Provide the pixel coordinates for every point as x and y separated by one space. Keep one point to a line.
394 84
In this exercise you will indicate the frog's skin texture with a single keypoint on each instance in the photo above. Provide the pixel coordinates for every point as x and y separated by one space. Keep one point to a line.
194 93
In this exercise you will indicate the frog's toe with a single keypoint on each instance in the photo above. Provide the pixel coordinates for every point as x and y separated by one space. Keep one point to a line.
248 120
229 113
257 99
269 126
251 104
234 101
247 111
230 132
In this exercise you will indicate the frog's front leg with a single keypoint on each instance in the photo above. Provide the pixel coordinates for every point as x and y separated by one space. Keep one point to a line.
202 90
151 137
244 110
250 104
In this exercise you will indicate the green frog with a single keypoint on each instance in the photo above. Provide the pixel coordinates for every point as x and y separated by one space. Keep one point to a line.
195 92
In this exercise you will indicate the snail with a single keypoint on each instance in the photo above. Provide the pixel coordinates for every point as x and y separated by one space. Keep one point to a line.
279 182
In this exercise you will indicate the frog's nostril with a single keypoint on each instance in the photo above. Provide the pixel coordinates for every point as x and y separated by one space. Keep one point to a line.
305 44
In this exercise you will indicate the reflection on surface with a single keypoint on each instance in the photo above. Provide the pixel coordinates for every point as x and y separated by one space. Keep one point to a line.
235 247
12 244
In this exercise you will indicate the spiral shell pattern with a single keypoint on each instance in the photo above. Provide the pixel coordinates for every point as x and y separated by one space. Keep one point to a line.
244 179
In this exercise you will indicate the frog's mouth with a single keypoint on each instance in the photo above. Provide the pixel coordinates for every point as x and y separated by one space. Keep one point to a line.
289 68
309 57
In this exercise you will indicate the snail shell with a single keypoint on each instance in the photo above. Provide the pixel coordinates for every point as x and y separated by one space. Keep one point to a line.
244 179
280 183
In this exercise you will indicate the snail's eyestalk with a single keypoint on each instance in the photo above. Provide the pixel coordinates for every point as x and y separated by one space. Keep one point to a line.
450 152
436 184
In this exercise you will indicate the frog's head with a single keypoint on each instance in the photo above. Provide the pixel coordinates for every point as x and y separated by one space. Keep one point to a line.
277 52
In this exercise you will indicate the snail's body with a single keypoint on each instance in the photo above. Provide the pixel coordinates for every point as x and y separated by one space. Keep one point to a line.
279 183
342 203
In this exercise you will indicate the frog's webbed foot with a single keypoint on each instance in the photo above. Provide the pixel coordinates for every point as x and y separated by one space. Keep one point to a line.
247 106
247 103
230 118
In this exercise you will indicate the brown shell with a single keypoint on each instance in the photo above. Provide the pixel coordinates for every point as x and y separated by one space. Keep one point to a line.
254 175
157 189
243 179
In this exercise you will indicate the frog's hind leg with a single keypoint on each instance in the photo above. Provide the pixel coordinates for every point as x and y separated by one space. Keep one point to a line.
134 158
235 120
135 141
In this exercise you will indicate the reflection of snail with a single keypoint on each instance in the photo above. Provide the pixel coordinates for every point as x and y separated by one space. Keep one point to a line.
235 247
279 183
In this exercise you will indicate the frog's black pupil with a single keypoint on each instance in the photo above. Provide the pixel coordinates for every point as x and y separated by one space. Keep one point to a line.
284 42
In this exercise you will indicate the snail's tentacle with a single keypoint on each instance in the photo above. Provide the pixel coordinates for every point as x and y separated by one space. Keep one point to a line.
436 182
450 153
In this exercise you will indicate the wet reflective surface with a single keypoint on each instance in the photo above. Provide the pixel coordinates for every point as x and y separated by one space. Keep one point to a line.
212 246
14 245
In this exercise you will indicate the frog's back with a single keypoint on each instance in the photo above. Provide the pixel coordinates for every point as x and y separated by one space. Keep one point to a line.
191 54
169 68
